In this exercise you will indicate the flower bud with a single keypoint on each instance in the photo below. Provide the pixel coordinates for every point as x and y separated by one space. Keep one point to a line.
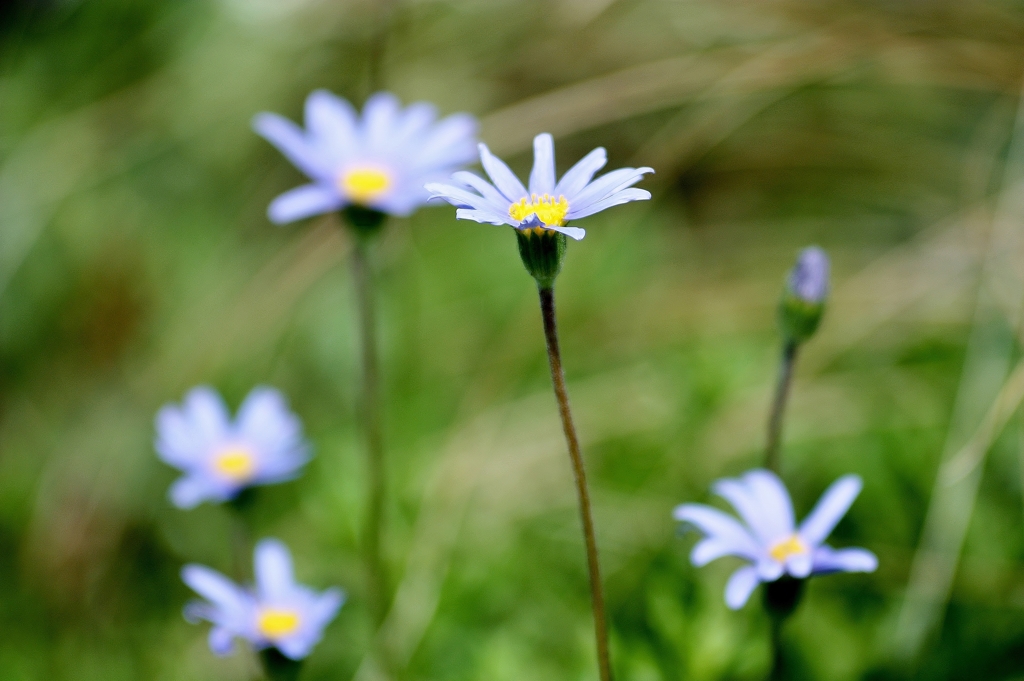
542 251
805 294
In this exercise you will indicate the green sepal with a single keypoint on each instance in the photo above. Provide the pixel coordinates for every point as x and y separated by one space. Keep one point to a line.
365 222
278 667
542 251
799 318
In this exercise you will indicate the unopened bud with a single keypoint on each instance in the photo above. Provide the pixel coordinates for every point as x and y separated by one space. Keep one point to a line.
803 300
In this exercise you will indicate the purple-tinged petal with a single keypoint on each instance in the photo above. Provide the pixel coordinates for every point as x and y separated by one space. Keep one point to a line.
221 641
542 177
769 569
303 202
205 410
773 499
326 606
176 442
478 183
707 550
737 493
458 197
331 123
624 196
191 490
830 509
799 565
295 647
719 525
484 215
827 559
502 176
215 587
265 420
450 143
576 233
291 141
273 568
577 177
740 586
606 185
380 116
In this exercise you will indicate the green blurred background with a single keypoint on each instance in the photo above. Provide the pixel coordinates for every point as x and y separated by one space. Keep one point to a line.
136 261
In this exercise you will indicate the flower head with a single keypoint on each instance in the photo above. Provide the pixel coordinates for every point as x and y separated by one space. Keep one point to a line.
276 612
220 457
380 160
769 539
546 204
808 280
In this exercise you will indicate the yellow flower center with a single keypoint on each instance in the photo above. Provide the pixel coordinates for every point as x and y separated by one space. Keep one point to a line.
790 546
364 184
235 463
548 209
275 624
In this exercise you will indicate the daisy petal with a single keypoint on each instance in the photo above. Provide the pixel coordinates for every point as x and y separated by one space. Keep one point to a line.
716 524
740 586
827 559
188 492
214 587
608 184
576 233
577 177
221 641
542 177
450 143
624 196
273 567
332 123
303 202
478 183
501 175
713 548
738 494
484 215
291 141
380 115
830 509
773 499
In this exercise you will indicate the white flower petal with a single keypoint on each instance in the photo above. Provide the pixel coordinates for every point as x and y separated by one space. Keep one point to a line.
742 499
332 125
827 559
275 578
191 490
484 215
773 499
830 509
624 196
205 411
576 233
380 116
608 184
542 177
291 141
799 565
716 524
740 586
450 143
224 594
501 175
577 177
458 197
485 188
769 569
303 202
265 421
712 548
221 641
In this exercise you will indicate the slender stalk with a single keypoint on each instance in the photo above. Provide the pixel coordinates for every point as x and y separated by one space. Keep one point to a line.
771 457
778 663
371 423
547 306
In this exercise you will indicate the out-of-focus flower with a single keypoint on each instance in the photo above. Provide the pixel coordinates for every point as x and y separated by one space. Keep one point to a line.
546 205
378 161
769 538
803 299
220 457
808 280
276 612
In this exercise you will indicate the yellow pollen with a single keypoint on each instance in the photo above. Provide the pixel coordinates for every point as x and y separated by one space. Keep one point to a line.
235 463
548 209
275 624
363 185
791 546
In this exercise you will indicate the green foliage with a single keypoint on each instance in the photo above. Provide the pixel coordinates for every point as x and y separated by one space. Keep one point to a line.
136 261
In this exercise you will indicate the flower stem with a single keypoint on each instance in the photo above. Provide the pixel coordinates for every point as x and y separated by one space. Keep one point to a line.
376 578
771 458
277 667
547 306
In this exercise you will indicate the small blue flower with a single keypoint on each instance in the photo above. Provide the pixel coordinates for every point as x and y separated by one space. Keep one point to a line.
380 161
770 540
546 205
262 446
277 612
808 280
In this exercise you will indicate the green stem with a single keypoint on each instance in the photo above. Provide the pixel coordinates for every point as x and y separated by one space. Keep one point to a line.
547 306
371 422
771 458
778 663
277 667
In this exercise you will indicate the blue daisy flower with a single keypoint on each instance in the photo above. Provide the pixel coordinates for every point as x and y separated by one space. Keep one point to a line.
770 540
276 612
379 161
546 204
220 457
